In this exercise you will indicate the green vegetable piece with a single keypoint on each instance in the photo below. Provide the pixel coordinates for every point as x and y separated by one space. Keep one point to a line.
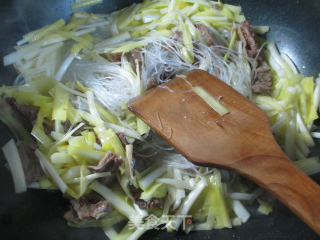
40 33
45 183
117 200
77 141
42 84
85 3
231 44
86 152
38 130
109 139
73 115
15 126
211 101
60 104
227 12
128 46
216 200
83 180
212 202
125 16
28 98
156 190
106 114
309 165
86 43
75 23
89 137
61 158
265 208
308 87
142 127
91 119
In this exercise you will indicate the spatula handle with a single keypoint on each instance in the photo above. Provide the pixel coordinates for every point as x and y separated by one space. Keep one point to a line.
288 183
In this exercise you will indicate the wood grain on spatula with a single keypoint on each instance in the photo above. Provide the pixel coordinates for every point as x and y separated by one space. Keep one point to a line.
240 140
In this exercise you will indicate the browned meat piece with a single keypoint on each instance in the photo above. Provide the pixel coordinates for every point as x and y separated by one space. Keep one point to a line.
114 57
263 80
66 125
246 35
48 126
91 207
133 56
153 202
206 35
109 163
136 54
24 115
135 192
100 209
123 139
177 36
18 126
28 114
152 83
166 75
31 166
108 181
81 209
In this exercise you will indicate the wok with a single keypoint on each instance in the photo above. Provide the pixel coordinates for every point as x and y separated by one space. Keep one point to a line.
39 214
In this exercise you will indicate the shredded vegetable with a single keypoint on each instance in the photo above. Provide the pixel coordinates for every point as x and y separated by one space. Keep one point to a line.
84 3
211 101
12 156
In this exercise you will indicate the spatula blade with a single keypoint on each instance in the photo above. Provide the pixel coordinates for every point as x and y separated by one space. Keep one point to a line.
190 125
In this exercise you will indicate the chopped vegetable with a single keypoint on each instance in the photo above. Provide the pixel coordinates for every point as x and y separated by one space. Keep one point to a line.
60 105
187 204
118 201
240 211
148 180
84 3
211 101
12 156
51 171
309 165
265 209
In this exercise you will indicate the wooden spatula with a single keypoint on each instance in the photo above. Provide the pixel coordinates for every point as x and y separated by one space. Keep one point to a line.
240 140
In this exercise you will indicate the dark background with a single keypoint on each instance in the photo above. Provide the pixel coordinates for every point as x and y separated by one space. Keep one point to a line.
39 214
